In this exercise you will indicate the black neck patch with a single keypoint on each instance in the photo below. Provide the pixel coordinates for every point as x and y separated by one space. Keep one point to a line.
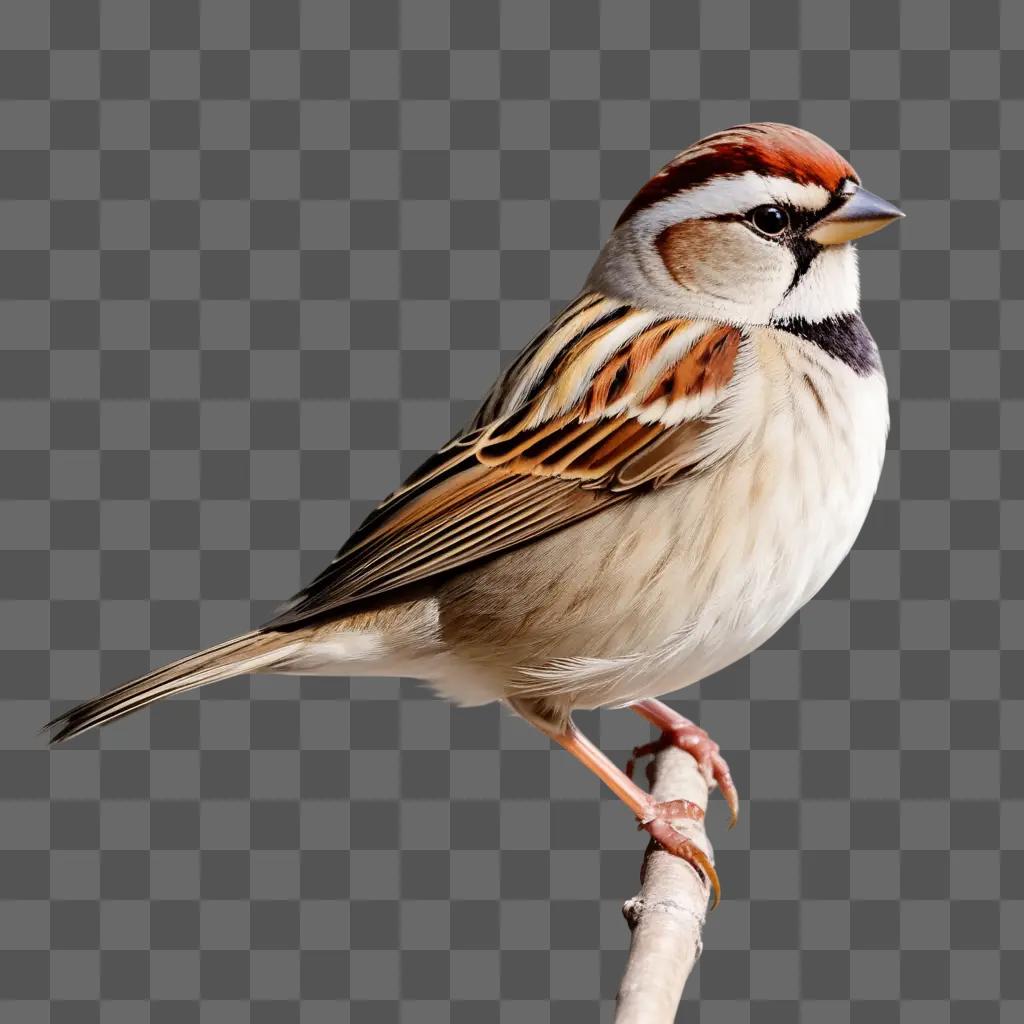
843 337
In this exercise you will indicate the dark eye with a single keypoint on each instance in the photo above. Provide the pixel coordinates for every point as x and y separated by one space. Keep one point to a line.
770 219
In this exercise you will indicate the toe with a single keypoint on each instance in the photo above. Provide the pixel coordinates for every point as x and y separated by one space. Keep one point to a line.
674 810
654 747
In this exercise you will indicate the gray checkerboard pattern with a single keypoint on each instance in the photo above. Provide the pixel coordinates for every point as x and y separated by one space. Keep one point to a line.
256 260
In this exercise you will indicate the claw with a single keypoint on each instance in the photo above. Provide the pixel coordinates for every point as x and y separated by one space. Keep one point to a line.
723 777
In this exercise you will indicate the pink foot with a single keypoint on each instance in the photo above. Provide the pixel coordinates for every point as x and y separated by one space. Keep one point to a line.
658 824
688 736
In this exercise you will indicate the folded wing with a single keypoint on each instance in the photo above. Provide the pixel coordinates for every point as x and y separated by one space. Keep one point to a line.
608 402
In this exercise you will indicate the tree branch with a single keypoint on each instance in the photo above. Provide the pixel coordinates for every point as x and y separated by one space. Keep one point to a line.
667 915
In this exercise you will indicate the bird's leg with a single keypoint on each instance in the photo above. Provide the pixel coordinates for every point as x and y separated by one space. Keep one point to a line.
688 736
655 818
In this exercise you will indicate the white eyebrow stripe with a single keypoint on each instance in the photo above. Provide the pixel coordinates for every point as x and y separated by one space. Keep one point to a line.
731 194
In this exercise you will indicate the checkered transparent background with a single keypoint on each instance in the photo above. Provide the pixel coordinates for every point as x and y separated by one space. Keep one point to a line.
256 260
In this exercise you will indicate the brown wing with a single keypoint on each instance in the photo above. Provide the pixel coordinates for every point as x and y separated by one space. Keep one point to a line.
608 401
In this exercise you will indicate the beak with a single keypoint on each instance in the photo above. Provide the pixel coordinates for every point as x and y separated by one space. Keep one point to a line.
861 214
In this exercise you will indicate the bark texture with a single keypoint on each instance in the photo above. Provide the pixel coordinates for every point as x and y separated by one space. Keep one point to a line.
667 915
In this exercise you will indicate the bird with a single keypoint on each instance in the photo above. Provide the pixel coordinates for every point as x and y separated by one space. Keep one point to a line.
656 483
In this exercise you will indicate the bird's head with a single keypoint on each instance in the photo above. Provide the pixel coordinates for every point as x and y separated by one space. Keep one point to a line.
751 225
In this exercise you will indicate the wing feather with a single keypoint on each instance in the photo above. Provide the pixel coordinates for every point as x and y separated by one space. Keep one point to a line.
608 401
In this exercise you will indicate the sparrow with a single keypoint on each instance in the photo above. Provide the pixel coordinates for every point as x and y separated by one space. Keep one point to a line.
659 480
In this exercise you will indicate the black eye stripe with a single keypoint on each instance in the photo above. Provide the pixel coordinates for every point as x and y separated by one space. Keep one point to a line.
799 219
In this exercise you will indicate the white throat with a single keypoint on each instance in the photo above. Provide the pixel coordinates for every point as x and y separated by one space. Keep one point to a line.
830 288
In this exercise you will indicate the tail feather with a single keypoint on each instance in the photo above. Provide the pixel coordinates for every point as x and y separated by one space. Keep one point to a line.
250 652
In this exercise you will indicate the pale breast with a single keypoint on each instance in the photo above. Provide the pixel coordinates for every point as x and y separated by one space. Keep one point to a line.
710 569
794 498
